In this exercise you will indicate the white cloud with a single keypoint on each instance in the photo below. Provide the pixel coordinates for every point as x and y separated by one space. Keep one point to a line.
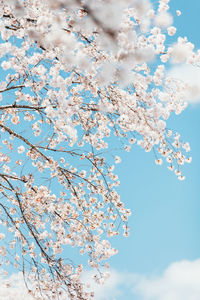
111 289
13 288
190 75
179 281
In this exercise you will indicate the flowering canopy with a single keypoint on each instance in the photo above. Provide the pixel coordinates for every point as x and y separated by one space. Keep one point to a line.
74 74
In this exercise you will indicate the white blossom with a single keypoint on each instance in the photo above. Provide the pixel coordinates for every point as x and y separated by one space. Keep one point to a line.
78 76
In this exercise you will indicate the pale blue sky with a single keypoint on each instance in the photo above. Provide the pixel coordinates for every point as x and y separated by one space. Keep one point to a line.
165 224
165 221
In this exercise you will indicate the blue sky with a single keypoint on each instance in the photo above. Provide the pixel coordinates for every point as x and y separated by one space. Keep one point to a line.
165 223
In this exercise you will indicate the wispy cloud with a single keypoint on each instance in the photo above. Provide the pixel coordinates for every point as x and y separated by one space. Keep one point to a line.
114 287
190 75
179 281
13 288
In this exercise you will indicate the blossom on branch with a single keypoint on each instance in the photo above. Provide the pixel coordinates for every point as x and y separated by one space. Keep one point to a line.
79 75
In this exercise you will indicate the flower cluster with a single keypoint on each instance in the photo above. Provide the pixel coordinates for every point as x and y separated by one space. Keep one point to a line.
78 74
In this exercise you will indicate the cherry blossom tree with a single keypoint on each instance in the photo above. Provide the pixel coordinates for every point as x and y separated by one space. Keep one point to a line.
77 75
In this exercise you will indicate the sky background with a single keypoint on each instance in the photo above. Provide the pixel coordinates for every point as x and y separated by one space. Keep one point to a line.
161 258
165 223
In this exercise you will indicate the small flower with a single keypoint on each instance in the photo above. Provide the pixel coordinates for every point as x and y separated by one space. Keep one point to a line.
2 236
178 173
188 160
181 177
21 149
127 148
159 161
171 30
117 159
171 168
15 120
